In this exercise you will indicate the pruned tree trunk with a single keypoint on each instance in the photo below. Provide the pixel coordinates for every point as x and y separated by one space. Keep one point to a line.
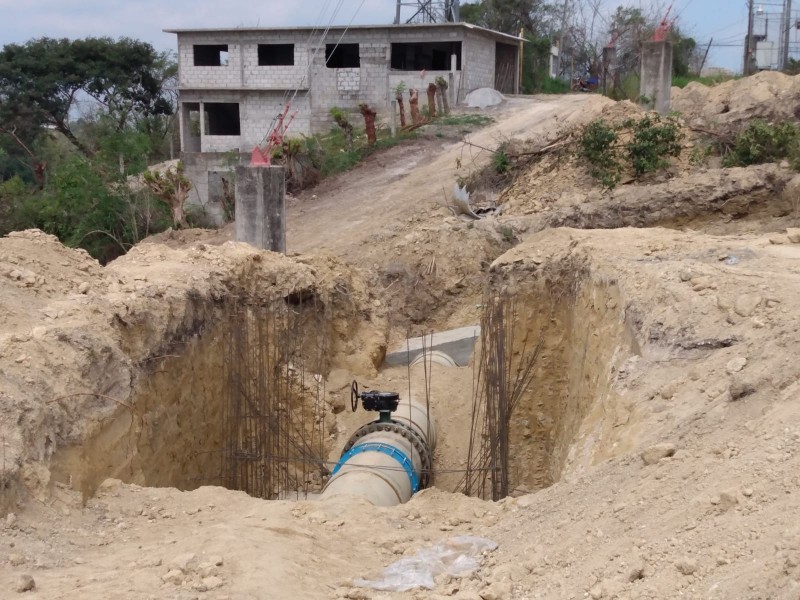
369 115
348 137
432 100
413 102
442 85
402 108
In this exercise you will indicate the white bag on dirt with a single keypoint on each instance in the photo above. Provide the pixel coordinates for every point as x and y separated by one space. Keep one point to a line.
457 556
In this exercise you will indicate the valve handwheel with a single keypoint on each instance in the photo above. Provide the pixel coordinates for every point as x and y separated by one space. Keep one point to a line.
354 395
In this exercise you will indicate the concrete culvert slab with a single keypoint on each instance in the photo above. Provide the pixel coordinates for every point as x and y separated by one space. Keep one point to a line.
451 346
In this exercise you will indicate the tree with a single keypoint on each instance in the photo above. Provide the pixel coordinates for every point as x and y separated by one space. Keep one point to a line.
509 16
41 82
686 56
173 188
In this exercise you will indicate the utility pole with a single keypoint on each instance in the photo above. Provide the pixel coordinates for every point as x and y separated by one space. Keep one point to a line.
748 43
705 56
561 38
787 25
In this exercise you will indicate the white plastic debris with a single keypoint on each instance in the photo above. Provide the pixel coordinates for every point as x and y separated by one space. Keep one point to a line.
457 557
461 205
483 97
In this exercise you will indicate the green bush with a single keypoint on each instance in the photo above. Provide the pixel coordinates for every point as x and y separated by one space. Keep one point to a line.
653 139
84 209
12 194
551 85
681 81
500 161
599 147
762 142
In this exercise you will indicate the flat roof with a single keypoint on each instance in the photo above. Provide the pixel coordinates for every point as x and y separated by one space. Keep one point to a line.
340 28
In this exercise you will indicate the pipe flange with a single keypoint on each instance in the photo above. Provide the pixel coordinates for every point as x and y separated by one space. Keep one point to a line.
403 430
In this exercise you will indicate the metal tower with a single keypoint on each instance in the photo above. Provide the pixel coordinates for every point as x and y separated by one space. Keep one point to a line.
427 11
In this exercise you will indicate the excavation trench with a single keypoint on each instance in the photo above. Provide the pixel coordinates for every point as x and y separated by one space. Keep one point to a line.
240 400
238 403
571 414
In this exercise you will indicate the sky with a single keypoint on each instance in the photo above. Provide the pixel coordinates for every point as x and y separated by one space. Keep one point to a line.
724 20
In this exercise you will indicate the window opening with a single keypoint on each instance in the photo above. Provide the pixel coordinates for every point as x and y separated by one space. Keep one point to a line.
275 55
210 55
222 118
343 56
431 56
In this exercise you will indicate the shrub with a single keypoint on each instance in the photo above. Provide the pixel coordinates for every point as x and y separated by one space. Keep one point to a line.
500 161
598 146
83 209
552 85
762 142
653 139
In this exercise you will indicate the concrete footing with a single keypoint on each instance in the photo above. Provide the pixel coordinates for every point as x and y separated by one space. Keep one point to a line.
261 207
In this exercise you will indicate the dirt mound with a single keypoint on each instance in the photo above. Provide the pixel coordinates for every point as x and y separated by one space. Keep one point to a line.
81 343
768 94
181 238
540 182
712 200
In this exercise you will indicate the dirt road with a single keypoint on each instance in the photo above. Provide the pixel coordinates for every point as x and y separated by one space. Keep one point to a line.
345 212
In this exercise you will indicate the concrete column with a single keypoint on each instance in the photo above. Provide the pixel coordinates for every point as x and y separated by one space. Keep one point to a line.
261 207
452 78
609 68
202 125
656 81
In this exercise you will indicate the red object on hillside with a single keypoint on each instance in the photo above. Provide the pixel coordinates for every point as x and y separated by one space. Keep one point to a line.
663 29
263 158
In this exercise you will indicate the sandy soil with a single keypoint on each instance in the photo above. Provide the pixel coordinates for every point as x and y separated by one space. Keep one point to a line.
660 435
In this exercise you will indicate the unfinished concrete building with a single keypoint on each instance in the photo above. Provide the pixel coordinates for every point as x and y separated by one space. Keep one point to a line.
234 82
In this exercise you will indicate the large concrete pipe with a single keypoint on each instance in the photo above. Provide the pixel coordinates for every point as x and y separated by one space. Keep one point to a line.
388 460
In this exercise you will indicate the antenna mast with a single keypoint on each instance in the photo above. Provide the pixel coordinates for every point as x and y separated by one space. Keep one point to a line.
427 11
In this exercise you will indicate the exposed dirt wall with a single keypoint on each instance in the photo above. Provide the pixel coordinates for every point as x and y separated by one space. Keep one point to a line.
81 353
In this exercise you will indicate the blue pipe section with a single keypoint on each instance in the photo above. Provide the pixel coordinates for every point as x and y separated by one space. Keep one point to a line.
388 450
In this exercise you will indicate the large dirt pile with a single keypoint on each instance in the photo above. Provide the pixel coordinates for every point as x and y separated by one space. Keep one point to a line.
80 343
753 199
768 94
557 190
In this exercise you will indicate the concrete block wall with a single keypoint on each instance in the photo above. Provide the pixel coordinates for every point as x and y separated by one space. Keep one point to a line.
257 109
348 81
276 77
343 88
347 88
224 76
478 62
202 167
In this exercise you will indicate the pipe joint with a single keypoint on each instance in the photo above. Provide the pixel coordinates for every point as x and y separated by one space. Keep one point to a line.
388 450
